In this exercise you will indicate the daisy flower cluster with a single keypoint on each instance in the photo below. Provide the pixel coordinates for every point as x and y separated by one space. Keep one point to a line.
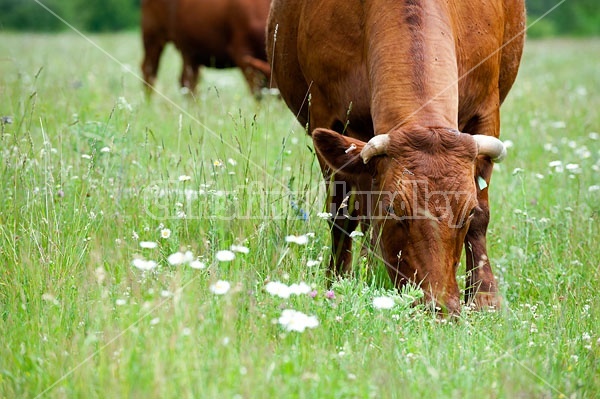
293 320
282 290
586 158
181 258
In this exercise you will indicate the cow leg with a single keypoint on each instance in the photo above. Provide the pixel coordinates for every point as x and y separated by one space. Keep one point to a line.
481 286
153 48
256 72
342 223
189 74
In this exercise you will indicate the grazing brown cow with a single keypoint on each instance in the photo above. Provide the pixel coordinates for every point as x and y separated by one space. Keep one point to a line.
214 33
392 85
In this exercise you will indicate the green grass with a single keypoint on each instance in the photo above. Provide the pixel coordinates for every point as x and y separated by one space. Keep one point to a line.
78 320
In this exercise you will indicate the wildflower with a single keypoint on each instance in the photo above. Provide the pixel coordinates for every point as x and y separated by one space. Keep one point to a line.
299 289
293 320
220 287
86 156
225 256
120 302
593 188
300 240
240 248
330 294
154 321
313 293
143 264
123 104
148 244
516 171
135 235
324 215
179 258
196 264
573 168
50 298
278 289
218 163
312 263
232 162
355 234
105 149
165 233
594 136
184 178
383 302
586 336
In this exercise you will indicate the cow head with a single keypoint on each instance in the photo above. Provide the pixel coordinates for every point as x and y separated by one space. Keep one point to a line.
421 201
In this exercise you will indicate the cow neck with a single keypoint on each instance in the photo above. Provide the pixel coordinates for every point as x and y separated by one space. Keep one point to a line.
411 61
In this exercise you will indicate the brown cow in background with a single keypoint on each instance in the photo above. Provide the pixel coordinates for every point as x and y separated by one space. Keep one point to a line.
404 113
213 33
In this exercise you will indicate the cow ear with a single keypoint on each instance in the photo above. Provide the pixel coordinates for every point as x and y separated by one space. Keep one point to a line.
342 153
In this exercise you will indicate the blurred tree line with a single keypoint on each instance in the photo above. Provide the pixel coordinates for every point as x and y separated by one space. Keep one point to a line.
573 17
86 15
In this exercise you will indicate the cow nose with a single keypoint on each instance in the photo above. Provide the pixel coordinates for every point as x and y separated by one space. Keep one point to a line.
452 306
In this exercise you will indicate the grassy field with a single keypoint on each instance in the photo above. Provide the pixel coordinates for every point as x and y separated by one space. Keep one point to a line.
89 170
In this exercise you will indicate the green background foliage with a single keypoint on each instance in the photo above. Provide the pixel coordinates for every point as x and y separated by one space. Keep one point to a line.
573 17
92 16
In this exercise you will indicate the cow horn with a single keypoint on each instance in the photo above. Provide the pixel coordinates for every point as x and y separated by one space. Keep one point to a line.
490 146
376 146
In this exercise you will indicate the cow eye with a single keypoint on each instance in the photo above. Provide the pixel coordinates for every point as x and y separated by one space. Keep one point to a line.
473 211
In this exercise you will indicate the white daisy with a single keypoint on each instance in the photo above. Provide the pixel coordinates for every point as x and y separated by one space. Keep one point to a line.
176 259
355 234
293 320
221 287
300 240
143 264
196 264
324 215
240 248
278 289
299 289
225 256
148 244
383 302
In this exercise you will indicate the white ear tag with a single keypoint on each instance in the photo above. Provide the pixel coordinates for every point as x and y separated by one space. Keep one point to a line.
351 148
481 183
